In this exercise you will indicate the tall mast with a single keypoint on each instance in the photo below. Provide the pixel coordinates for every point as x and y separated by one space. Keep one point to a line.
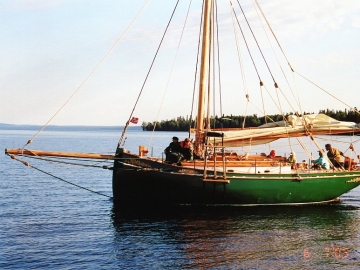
204 73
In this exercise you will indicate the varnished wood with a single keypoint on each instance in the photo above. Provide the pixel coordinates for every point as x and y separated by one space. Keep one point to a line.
57 154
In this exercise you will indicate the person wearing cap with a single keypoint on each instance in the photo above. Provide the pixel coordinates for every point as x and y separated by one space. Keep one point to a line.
334 156
187 149
322 162
292 160
173 151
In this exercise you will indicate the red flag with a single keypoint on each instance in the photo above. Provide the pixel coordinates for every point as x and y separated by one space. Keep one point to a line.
134 120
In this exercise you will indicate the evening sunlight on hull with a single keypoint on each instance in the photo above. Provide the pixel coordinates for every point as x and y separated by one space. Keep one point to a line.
214 165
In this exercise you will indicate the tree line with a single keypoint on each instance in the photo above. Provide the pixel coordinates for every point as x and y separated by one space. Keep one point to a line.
232 121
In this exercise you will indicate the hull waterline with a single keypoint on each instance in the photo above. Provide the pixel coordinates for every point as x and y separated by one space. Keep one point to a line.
146 181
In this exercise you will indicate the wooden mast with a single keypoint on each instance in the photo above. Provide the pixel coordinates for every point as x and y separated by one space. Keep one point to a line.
204 73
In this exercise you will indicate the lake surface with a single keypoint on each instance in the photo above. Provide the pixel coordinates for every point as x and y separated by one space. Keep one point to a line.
47 223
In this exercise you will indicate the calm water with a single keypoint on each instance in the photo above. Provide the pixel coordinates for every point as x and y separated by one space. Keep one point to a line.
46 223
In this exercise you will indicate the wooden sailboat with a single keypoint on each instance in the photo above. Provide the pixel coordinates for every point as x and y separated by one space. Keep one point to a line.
220 177
219 180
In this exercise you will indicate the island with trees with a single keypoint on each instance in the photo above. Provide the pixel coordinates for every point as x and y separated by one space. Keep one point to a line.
232 121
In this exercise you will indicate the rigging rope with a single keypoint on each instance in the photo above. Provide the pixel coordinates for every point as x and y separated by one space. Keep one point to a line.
263 102
196 67
247 46
91 73
53 160
275 84
218 55
208 57
353 108
275 103
147 75
59 178
304 147
297 99
213 19
319 147
257 43
263 14
171 71
210 66
277 59
239 55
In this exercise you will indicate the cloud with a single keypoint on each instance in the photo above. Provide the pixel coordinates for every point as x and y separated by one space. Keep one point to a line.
298 18
356 21
339 58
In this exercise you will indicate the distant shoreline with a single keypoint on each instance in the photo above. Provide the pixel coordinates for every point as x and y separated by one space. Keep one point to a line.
4 126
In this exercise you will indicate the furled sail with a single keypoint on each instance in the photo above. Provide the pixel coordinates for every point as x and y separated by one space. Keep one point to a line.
312 124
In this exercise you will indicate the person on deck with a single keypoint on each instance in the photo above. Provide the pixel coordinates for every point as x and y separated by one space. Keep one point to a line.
321 162
187 149
292 160
334 156
173 151
303 165
272 154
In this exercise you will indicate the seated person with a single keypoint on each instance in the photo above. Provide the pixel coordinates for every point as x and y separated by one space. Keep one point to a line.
272 154
350 164
244 156
304 164
187 149
292 160
173 151
321 162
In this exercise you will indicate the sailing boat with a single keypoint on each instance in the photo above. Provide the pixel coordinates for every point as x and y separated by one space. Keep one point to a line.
217 176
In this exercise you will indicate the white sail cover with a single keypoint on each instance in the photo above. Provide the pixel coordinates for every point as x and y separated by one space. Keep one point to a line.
311 124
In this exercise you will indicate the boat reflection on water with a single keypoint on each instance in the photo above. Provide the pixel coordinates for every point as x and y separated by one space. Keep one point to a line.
270 237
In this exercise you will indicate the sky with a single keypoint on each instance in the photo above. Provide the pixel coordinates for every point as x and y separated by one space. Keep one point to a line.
48 48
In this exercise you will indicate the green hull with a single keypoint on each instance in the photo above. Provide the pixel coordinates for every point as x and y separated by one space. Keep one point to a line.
154 182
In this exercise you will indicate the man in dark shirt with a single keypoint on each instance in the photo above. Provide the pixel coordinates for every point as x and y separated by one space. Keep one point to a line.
173 151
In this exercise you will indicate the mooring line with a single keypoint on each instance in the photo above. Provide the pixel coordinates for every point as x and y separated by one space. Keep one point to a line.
50 160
